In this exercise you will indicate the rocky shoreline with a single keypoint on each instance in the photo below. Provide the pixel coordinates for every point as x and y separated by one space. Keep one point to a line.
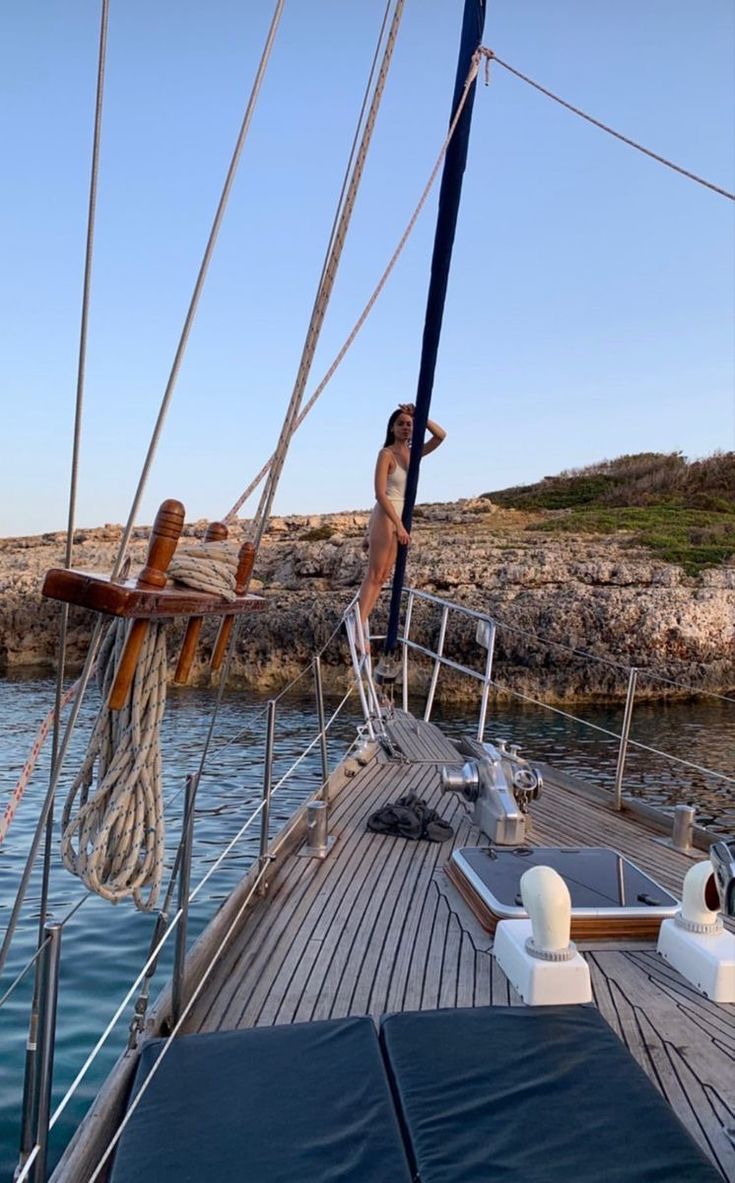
551 593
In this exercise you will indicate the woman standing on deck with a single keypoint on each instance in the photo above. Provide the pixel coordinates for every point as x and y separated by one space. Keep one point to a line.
385 528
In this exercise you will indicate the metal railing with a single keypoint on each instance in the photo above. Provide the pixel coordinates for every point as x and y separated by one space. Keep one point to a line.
487 629
485 636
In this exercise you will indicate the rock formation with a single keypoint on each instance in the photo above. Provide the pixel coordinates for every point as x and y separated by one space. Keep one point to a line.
550 593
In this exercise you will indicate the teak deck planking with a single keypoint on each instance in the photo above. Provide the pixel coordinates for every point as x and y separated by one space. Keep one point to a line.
377 927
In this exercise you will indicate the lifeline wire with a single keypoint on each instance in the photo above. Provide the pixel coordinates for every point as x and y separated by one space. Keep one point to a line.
155 951
713 772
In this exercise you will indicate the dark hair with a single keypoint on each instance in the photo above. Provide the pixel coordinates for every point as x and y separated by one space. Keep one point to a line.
389 438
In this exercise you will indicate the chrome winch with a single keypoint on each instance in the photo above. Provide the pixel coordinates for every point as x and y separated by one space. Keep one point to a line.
500 786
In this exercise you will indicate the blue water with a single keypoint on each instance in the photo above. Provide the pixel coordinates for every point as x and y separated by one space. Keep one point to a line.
104 946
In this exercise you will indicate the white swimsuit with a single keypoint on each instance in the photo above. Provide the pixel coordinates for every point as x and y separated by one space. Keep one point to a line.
395 491
395 487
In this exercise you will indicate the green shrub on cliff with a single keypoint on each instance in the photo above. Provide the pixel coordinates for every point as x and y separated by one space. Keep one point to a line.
694 539
683 511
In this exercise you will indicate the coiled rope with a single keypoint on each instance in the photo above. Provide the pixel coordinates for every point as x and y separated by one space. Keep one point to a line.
207 567
113 836
113 833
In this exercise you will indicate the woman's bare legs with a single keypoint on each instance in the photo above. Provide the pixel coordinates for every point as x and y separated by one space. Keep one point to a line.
381 557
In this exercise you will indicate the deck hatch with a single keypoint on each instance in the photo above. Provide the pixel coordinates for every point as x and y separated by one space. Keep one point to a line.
610 894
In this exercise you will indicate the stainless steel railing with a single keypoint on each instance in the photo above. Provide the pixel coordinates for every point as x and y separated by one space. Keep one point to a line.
487 629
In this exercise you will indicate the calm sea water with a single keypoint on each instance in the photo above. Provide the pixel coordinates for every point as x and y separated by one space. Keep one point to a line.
105 946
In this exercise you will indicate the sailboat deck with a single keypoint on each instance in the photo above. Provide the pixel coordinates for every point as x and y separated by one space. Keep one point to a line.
377 927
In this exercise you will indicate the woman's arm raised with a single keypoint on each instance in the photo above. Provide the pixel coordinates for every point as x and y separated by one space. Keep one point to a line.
438 434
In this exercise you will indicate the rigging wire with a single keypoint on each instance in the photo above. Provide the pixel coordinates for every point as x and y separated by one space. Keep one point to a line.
163 409
326 284
366 310
360 125
77 435
490 55
199 284
57 748
321 301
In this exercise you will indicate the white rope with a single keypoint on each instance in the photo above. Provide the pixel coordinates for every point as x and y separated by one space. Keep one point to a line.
113 837
206 566
490 55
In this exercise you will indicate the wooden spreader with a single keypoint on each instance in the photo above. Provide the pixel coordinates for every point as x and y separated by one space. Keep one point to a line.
152 597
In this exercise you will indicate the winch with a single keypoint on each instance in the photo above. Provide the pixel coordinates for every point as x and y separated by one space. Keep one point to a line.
500 786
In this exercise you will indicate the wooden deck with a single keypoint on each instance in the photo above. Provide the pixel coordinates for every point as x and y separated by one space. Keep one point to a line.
377 927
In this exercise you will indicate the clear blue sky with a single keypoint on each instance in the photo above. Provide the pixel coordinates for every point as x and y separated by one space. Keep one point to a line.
591 302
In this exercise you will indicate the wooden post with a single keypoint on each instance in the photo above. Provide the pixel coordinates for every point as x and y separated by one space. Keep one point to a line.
244 571
216 532
164 537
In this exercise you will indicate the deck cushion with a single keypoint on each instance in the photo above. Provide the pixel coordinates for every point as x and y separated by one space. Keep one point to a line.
531 1096
308 1102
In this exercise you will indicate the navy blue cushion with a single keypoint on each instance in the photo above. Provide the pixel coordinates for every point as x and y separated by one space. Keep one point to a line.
307 1103
531 1096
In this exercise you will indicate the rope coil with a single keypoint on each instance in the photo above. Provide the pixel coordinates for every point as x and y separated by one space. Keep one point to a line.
113 834
207 566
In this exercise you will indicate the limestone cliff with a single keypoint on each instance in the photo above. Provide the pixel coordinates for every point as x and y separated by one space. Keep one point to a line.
550 593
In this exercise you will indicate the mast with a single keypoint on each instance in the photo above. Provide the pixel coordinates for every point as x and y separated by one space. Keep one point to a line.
449 196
